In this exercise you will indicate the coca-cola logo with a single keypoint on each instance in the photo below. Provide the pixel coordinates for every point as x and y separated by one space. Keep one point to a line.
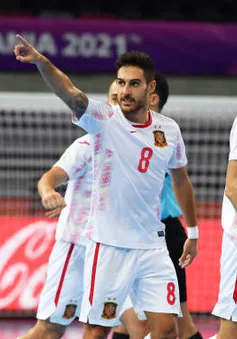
23 264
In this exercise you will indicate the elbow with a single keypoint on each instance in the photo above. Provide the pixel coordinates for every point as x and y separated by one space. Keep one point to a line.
77 101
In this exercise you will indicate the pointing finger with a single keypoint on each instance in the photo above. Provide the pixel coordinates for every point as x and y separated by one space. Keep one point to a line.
25 43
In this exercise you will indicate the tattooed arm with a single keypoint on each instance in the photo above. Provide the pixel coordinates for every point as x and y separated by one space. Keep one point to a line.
57 81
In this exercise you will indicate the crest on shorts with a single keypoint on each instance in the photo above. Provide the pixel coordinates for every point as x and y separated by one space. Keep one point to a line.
159 138
69 311
109 310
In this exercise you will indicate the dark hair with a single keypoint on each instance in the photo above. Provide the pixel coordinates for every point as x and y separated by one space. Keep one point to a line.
137 59
162 89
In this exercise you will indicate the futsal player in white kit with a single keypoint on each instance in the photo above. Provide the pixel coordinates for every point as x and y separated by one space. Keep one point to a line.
226 307
61 297
60 300
132 148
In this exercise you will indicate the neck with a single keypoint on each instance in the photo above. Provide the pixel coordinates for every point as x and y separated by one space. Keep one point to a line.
140 117
155 109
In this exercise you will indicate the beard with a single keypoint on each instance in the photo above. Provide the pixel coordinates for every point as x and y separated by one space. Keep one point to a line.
134 106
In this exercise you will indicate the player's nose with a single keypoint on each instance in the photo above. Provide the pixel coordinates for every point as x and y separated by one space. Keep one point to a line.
127 89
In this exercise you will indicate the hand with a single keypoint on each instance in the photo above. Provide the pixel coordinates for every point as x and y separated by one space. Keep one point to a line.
55 212
25 52
54 202
189 252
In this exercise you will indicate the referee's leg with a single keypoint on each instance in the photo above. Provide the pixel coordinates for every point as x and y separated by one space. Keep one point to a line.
175 238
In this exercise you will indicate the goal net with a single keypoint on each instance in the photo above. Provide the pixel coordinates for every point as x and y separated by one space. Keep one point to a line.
35 131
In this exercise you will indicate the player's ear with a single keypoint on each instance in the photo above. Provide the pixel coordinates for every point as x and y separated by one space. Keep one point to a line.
152 86
154 100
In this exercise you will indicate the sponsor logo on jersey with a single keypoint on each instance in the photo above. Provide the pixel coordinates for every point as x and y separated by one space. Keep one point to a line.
70 311
109 310
159 138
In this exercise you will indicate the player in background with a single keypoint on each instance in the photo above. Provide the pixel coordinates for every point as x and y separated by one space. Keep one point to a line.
175 239
226 307
112 93
61 297
60 301
132 148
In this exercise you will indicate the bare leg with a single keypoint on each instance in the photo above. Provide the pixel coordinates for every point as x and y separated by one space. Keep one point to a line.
45 330
95 332
186 327
162 325
137 329
228 329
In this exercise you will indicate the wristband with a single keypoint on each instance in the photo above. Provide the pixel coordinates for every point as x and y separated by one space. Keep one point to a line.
192 232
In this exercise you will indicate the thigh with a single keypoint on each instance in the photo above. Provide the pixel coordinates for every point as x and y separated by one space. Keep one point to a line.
61 297
109 272
175 239
45 329
162 325
226 306
175 236
228 329
156 287
126 306
133 326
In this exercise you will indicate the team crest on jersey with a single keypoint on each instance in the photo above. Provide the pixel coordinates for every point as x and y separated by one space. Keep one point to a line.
109 310
70 311
159 138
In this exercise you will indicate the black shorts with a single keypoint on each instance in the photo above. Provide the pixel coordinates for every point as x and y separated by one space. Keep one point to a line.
175 238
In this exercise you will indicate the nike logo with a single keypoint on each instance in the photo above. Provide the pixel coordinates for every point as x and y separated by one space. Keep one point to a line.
84 143
133 131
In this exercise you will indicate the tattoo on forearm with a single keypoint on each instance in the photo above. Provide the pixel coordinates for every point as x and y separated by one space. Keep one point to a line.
78 104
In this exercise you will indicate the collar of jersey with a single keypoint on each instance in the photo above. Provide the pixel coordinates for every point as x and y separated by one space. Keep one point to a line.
147 124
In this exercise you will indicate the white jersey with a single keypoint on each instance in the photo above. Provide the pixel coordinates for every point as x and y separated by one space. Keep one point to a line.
229 216
129 163
76 162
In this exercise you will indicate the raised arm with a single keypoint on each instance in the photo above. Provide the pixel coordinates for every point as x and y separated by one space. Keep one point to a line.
184 194
57 81
47 184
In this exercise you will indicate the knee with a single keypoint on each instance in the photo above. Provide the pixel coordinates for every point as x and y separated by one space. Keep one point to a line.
45 329
95 331
54 331
168 333
137 333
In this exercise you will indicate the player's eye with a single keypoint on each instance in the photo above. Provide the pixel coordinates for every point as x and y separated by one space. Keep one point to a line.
120 82
135 83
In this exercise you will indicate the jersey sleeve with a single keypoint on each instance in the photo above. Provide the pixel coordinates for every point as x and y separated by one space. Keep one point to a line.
233 141
179 158
76 158
97 114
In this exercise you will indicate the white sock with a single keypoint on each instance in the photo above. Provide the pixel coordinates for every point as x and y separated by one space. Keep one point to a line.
149 337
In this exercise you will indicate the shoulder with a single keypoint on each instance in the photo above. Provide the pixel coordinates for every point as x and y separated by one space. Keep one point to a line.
98 105
163 119
84 140
80 147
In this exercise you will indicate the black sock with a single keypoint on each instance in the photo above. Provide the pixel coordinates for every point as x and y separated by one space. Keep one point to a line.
117 335
196 336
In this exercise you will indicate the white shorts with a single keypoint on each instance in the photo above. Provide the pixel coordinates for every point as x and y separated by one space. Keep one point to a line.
130 302
112 272
61 297
226 306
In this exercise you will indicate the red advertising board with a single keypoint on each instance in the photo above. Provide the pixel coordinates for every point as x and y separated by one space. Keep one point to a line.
26 243
24 250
